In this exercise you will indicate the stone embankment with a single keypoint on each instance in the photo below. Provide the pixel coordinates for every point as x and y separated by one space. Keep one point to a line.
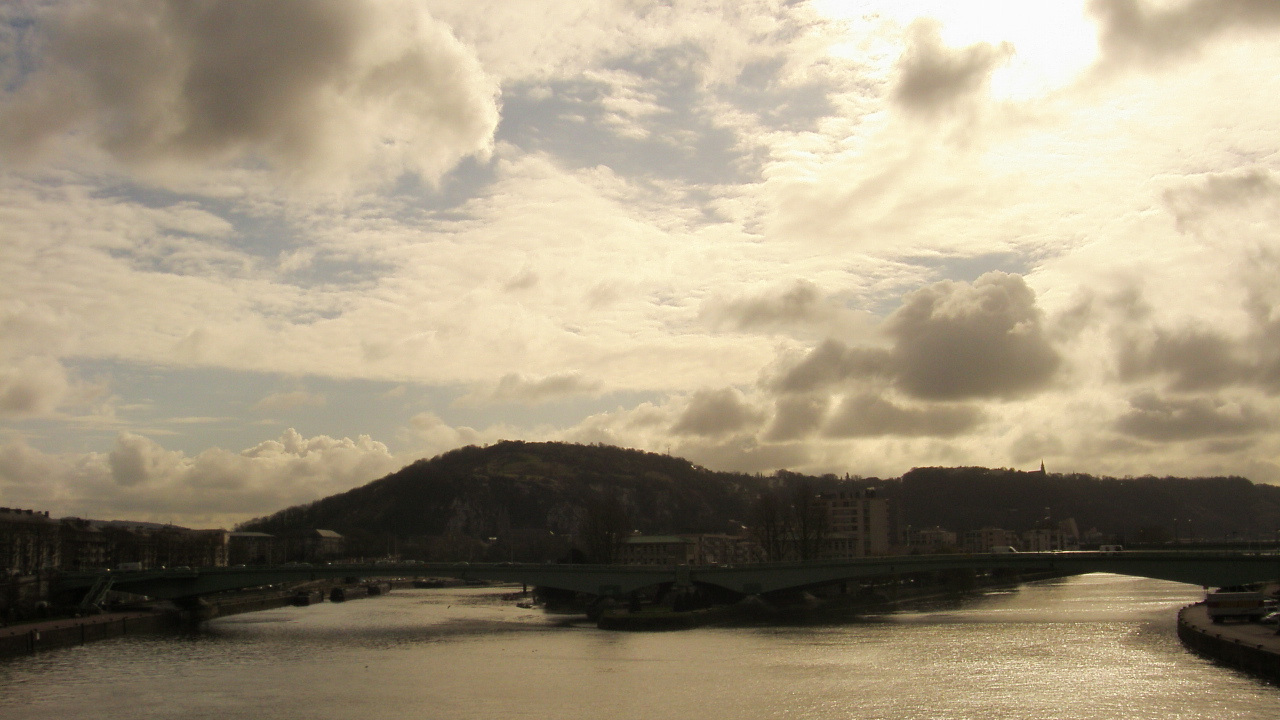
1251 647
48 634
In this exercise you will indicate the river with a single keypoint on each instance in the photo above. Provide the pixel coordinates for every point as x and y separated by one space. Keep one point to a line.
1094 646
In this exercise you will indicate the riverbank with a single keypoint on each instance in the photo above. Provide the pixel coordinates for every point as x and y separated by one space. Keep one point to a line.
1250 647
32 637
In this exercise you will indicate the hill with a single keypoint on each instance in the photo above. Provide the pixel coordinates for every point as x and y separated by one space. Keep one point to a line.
532 497
536 501
1143 509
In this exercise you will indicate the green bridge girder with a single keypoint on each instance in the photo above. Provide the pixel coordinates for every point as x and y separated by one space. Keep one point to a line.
1208 569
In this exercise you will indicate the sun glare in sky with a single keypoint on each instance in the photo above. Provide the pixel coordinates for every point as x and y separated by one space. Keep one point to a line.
1051 42
823 236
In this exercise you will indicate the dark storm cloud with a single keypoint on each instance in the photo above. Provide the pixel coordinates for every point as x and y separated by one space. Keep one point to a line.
957 341
1135 31
870 416
933 77
1165 420
951 341
299 83
716 412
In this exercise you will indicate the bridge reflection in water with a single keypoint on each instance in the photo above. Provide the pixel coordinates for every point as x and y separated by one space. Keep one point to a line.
1208 569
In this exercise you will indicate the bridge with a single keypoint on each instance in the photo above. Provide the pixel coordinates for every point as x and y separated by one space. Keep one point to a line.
1208 569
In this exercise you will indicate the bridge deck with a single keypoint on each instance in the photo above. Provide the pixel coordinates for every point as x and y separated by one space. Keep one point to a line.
1213 569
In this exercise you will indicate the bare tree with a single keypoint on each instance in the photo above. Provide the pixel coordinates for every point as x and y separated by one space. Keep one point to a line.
809 522
605 527
770 526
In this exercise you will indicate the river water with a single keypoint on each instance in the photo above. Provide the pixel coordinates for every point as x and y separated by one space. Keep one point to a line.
1094 646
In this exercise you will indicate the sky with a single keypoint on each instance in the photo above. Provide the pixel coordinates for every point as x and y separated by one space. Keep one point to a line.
255 254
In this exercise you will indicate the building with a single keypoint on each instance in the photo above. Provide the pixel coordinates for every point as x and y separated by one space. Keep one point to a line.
932 540
29 554
312 545
659 550
28 542
83 546
1052 537
180 547
981 541
252 548
688 549
858 524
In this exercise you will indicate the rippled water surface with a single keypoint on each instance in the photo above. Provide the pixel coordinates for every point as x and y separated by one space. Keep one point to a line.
1097 646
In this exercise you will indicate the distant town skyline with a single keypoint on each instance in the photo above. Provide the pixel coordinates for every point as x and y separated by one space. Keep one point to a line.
255 254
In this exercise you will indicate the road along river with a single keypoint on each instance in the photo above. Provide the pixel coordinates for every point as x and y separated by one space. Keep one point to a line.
1094 646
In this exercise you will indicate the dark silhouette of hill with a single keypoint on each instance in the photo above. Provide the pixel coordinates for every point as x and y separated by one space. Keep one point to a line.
536 498
1219 508
523 490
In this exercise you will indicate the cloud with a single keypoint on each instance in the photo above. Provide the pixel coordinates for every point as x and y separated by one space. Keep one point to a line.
315 88
32 386
868 415
933 77
1146 33
950 341
1169 420
797 416
141 480
137 460
1190 358
1219 189
432 436
283 401
515 388
1188 355
716 412
832 363
954 340
800 304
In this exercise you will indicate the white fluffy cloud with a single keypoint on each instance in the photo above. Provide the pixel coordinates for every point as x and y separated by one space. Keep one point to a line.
33 386
139 479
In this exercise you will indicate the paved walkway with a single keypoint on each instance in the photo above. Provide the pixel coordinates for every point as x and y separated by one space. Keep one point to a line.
1263 637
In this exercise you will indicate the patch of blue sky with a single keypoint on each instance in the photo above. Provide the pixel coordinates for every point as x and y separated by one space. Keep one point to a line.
571 120
967 268
779 106
17 60
257 242
924 269
465 181
193 408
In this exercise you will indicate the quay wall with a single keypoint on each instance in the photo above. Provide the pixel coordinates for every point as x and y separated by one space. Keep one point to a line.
1249 647
33 637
